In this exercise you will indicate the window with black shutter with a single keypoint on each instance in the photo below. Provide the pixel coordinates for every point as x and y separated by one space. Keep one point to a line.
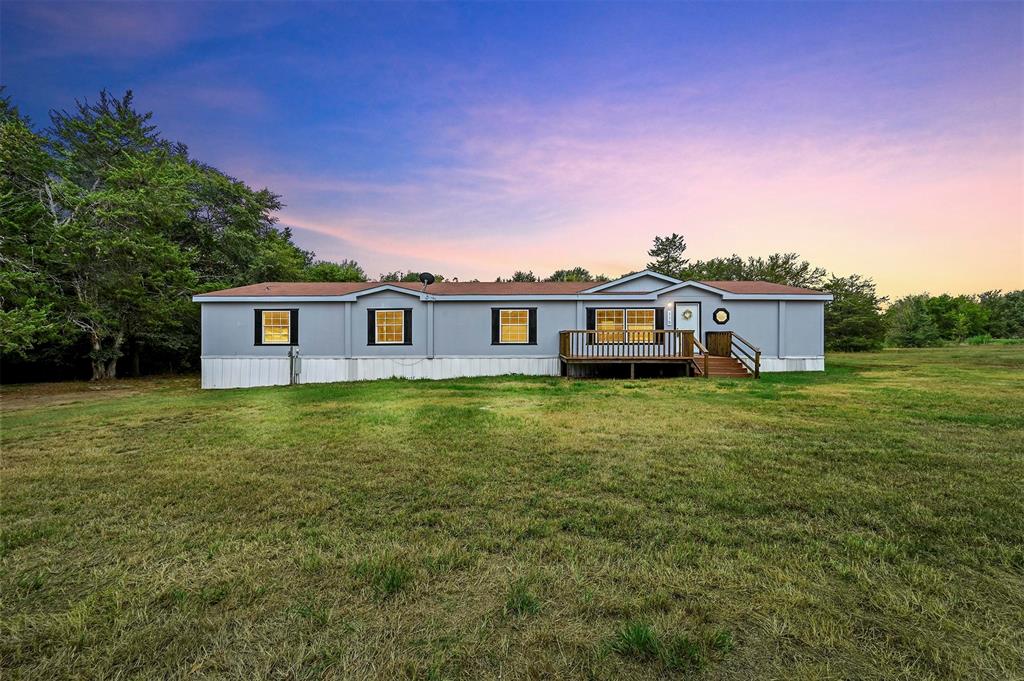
513 326
389 326
276 327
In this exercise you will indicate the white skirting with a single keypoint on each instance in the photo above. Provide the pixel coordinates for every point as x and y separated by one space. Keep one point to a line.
244 372
773 364
247 372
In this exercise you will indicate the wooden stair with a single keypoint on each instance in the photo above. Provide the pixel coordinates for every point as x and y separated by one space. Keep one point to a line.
721 367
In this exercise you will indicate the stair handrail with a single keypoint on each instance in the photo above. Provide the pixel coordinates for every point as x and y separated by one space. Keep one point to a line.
704 353
755 358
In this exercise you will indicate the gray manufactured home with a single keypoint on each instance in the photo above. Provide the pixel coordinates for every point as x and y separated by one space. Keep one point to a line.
642 324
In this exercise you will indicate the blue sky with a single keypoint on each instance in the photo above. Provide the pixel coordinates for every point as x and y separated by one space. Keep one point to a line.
476 139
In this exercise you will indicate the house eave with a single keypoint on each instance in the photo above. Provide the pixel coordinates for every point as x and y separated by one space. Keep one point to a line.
351 298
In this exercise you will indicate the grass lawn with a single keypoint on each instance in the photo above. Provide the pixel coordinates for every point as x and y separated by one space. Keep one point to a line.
865 523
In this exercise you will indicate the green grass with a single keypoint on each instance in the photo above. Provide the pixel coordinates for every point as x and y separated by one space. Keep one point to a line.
864 523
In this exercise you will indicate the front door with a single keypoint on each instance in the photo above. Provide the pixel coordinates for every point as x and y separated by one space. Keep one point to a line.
688 318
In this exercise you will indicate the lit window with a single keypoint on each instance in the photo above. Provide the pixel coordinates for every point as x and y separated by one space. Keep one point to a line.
721 315
276 327
609 324
640 326
389 326
630 325
514 326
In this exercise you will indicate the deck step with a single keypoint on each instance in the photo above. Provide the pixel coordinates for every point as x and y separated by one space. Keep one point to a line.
722 367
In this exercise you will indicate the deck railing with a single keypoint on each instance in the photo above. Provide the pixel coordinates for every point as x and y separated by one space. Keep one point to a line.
636 346
704 355
731 344
747 353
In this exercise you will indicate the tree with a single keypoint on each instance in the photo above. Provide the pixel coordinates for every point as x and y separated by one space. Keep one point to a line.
910 325
779 268
408 277
346 270
957 317
520 275
668 255
119 274
28 316
1005 313
106 231
233 234
574 274
853 320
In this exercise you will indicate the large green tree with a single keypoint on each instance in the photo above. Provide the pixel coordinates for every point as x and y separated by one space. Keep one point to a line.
107 229
232 230
957 317
121 275
909 323
853 320
779 268
667 253
29 315
1005 313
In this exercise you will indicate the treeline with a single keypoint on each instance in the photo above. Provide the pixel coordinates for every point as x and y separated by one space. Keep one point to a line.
573 274
859 319
106 231
923 320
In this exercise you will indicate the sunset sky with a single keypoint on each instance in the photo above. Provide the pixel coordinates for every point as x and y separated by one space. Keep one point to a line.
473 140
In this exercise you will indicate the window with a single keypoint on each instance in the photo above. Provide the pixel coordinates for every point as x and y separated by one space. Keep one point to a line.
389 326
721 316
631 325
609 324
275 327
514 326
640 326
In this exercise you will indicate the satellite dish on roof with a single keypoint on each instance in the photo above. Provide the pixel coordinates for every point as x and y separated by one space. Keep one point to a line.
427 278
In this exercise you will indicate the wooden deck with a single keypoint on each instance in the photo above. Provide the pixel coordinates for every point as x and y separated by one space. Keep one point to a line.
726 355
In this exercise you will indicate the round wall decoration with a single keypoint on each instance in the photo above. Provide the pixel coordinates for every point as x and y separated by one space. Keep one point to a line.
687 314
721 315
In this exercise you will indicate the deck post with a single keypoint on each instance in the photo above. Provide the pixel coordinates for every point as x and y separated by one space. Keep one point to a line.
632 370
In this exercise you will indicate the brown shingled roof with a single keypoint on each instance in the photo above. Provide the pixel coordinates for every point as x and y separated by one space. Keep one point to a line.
480 288
765 287
487 288
293 288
